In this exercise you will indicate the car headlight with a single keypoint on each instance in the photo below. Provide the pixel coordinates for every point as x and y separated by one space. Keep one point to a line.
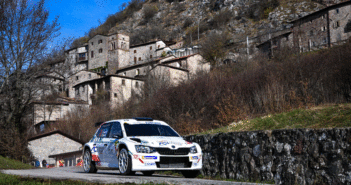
193 150
144 149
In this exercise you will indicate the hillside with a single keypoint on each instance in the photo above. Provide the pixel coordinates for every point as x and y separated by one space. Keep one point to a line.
183 20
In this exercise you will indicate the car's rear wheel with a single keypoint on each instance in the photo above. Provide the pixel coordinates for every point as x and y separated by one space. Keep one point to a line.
88 164
190 173
148 173
125 163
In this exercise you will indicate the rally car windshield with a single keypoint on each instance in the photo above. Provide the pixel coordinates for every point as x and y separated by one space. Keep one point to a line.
149 130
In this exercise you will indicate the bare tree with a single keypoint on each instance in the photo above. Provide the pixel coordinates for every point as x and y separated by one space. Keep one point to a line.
24 36
213 47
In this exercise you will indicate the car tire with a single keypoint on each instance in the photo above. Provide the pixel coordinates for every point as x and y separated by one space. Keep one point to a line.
88 164
148 173
125 163
190 173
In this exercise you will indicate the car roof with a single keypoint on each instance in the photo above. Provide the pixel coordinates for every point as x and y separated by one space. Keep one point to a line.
136 122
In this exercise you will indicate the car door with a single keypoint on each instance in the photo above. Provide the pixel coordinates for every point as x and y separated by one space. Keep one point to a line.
111 150
102 142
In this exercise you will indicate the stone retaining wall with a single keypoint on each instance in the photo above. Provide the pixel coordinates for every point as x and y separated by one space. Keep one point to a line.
297 156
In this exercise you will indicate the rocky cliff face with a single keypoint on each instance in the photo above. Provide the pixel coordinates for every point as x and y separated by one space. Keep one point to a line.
239 18
298 156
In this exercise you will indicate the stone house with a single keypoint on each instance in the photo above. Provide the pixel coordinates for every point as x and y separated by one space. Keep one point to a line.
46 112
52 143
323 28
80 77
276 42
51 82
114 88
145 52
108 52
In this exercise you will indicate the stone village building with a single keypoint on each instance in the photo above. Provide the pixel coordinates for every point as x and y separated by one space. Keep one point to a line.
322 29
108 64
54 146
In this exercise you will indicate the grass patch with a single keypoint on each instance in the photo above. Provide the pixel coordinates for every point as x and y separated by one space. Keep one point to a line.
6 179
6 163
314 118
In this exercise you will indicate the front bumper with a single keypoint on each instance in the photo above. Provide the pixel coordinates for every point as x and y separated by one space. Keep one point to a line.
155 161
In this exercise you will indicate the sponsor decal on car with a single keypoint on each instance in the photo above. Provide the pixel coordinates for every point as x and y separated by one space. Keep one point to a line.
95 158
194 164
144 142
141 161
149 157
135 156
154 123
165 142
150 164
188 143
194 157
93 150
98 163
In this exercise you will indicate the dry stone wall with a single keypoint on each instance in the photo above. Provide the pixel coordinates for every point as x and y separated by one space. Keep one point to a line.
297 156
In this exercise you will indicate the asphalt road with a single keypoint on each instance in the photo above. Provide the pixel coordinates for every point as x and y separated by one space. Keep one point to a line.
112 176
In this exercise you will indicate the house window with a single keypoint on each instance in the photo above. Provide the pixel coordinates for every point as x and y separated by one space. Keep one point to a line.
89 76
150 56
92 43
135 60
92 54
100 50
158 46
150 47
337 24
323 16
123 82
337 10
124 74
100 41
136 84
134 51
115 95
77 77
139 58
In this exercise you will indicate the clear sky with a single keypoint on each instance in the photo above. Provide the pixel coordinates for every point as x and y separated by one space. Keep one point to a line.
76 17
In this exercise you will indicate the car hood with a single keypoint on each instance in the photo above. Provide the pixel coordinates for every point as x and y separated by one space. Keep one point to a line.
167 142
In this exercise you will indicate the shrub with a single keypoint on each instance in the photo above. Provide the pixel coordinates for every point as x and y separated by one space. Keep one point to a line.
222 18
149 11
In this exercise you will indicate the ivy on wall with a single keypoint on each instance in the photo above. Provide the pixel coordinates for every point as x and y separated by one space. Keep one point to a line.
101 68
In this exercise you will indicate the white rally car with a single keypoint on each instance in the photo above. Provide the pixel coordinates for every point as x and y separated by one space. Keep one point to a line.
141 144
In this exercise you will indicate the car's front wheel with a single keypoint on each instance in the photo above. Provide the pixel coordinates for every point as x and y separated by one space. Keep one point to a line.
190 173
125 163
88 164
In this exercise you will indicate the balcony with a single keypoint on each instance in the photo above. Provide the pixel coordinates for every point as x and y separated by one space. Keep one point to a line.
82 57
